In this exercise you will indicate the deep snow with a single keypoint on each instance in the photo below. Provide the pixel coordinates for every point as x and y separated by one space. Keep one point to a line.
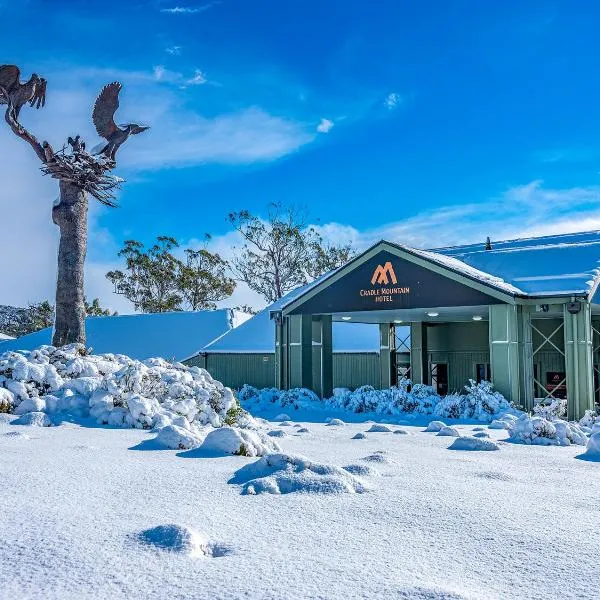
515 523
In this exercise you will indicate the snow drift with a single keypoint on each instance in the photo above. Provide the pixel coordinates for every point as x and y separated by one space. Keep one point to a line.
289 473
541 431
113 389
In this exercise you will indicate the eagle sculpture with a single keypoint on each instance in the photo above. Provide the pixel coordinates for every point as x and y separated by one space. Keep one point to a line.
103 116
17 94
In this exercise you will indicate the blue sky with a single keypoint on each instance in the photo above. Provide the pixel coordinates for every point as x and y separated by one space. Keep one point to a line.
424 122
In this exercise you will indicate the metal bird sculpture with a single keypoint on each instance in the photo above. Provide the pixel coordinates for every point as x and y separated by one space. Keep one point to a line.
16 94
103 116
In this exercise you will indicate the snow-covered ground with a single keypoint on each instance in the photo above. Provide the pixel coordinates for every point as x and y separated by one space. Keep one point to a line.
80 505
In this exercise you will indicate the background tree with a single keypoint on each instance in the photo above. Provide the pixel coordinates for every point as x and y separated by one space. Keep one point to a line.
282 251
155 280
93 309
78 173
151 277
203 280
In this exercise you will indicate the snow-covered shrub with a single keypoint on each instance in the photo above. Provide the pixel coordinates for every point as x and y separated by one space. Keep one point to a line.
113 389
435 426
588 420
592 451
242 442
555 409
480 402
449 432
7 400
176 538
540 431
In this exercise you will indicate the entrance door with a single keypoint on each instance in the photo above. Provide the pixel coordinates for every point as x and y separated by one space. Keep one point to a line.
439 378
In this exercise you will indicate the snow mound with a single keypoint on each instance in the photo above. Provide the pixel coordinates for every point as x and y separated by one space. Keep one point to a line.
481 434
242 442
282 417
592 451
112 388
541 431
285 424
359 436
362 470
498 424
473 443
176 538
277 433
401 431
177 438
287 473
35 419
336 423
479 428
449 431
381 457
303 430
377 428
435 426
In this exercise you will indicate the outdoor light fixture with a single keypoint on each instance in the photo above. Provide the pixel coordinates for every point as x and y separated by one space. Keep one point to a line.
433 314
398 321
477 318
346 318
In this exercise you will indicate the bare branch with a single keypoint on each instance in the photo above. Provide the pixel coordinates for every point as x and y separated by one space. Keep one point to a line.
21 132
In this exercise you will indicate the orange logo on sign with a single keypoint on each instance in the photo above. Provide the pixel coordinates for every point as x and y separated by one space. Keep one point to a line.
381 273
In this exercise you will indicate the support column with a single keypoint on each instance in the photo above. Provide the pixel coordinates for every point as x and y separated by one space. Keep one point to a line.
385 347
300 351
322 356
419 363
281 353
578 361
504 350
526 393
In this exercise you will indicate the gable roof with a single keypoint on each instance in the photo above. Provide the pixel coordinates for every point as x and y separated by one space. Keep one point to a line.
172 335
542 267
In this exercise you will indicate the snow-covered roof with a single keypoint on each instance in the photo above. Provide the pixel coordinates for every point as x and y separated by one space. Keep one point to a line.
258 333
172 335
4 337
566 264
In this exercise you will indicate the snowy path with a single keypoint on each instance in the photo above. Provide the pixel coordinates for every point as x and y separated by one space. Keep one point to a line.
518 523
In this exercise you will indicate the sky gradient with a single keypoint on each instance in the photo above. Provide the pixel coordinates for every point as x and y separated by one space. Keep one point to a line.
426 123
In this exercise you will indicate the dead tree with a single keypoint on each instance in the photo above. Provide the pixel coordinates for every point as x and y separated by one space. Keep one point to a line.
79 173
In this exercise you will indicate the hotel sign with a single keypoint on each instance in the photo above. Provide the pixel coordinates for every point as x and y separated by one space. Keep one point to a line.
387 282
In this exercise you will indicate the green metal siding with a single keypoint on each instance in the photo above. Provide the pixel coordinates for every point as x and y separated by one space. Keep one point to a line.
461 366
353 369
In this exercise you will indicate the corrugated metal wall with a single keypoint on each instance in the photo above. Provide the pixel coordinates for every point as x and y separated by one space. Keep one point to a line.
461 366
351 369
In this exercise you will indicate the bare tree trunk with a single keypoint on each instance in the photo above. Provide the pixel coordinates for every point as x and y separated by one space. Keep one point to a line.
71 217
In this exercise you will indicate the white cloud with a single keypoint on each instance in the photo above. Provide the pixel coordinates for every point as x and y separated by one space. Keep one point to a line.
190 10
325 126
199 78
392 101
173 50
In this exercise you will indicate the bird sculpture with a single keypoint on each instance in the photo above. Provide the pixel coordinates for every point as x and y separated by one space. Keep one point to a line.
103 116
16 94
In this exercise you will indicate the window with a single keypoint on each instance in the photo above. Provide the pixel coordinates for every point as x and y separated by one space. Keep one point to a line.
482 372
439 378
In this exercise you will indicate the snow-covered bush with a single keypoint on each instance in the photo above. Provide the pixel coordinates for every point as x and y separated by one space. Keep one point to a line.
541 431
555 409
588 420
112 388
480 402
231 440
592 451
